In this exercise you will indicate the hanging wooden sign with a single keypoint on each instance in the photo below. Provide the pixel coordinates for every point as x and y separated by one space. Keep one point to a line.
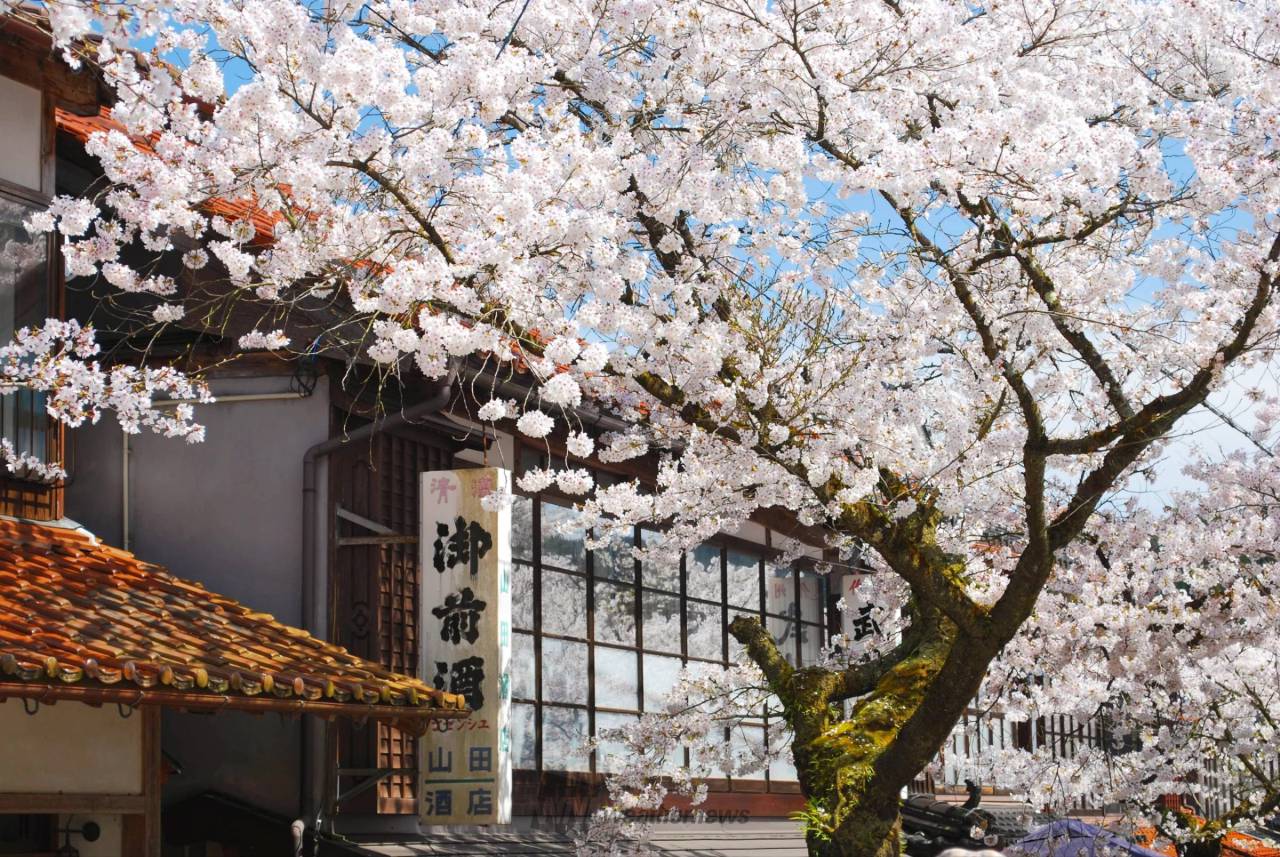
465 771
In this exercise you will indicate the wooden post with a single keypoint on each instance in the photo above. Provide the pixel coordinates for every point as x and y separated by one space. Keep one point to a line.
151 777
141 833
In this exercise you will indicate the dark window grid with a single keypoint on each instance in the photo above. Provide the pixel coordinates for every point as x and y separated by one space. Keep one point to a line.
591 653
762 588
537 637
621 647
582 706
684 631
639 616
547 566
640 589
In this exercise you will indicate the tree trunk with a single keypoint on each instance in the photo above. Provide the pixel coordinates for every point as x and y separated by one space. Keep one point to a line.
862 834
853 768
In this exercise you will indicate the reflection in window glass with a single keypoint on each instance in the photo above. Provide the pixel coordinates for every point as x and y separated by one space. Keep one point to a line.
615 561
564 739
523 739
522 528
615 613
564 604
660 675
782 768
617 683
564 671
613 675
660 570
611 755
748 744
522 674
703 574
563 539
810 596
705 629
737 652
781 594
810 642
522 595
661 622
24 291
784 634
743 580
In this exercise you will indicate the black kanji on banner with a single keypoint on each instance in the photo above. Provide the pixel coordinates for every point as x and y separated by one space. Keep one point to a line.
466 545
465 677
460 616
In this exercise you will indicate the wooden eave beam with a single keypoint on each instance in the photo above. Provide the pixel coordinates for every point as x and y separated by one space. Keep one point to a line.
27 56
415 719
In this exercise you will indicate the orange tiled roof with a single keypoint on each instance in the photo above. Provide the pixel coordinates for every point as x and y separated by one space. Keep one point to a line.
1237 844
83 127
82 620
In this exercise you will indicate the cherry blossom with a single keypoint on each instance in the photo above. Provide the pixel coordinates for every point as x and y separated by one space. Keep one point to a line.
939 281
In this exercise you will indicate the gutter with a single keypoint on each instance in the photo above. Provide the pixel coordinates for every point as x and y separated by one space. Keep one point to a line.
313 614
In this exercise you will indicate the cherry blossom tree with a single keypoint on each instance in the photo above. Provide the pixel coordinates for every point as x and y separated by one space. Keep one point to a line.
939 279
1173 644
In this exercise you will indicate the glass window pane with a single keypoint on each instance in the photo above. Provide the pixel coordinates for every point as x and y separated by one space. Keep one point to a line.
659 677
706 627
24 266
748 751
611 755
564 671
564 739
522 595
781 769
617 683
522 676
784 634
564 604
705 763
737 652
615 561
24 290
523 749
563 538
615 613
522 528
781 595
661 622
811 609
703 572
811 642
743 580
660 571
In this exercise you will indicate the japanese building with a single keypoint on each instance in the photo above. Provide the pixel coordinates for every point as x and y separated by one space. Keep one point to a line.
94 643
305 503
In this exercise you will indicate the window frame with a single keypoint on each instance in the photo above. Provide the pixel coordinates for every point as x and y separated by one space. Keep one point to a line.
642 594
19 495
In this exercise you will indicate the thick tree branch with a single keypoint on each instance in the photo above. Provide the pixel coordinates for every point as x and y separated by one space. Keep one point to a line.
760 645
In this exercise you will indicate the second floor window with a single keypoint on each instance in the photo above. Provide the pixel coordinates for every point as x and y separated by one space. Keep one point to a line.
24 301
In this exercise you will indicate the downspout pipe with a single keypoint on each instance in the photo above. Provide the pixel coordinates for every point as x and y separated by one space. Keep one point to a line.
313 619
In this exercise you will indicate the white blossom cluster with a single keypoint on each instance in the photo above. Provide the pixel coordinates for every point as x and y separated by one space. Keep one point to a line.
792 247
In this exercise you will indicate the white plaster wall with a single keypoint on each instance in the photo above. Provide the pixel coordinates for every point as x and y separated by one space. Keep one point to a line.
69 747
226 513
20 124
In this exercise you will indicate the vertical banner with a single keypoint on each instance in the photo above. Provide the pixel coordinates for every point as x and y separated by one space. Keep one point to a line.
862 616
465 611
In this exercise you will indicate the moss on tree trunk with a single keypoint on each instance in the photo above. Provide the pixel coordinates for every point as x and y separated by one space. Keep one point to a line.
851 807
